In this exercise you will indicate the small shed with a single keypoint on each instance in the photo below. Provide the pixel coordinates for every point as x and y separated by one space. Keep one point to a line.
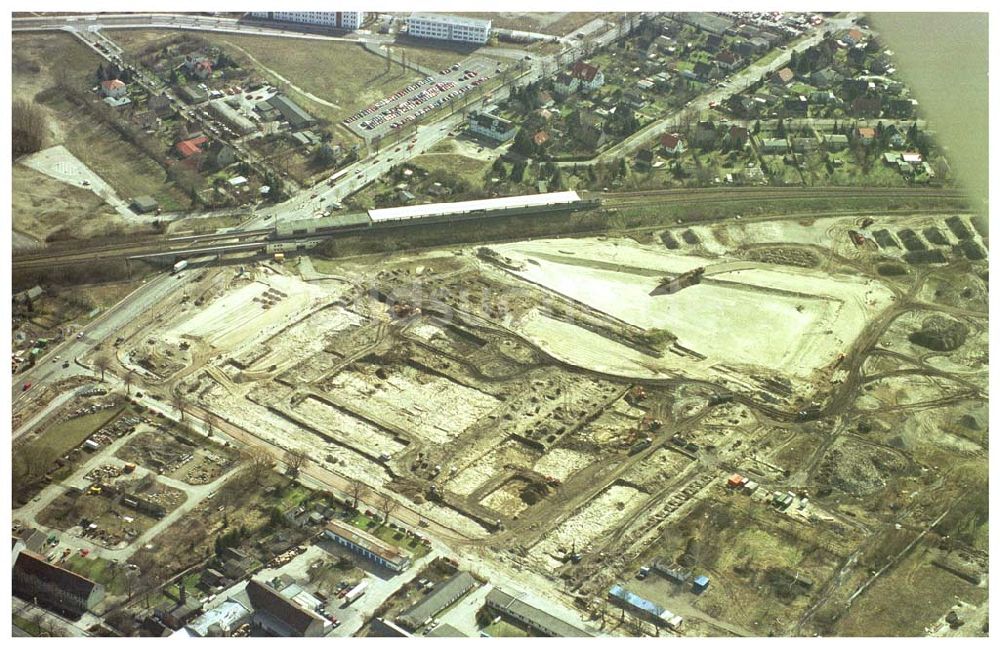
144 204
700 584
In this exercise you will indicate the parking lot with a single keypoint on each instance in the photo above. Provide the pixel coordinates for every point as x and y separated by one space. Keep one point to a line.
421 97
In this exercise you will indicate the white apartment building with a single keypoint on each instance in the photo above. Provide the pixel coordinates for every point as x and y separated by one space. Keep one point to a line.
449 28
342 19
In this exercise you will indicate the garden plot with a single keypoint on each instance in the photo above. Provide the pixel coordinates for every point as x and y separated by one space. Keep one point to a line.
562 463
599 517
251 314
490 466
788 319
434 408
352 431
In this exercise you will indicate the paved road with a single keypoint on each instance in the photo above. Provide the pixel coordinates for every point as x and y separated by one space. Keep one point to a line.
104 326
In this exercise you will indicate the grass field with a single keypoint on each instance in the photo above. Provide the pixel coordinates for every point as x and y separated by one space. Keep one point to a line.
342 74
42 205
60 438
435 56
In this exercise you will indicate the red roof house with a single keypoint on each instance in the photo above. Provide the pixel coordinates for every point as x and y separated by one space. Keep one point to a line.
188 148
672 143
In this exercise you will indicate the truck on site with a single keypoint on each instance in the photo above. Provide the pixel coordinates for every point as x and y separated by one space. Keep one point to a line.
279 258
179 266
356 592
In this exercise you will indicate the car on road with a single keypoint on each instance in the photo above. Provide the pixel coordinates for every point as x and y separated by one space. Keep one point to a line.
65 364
26 387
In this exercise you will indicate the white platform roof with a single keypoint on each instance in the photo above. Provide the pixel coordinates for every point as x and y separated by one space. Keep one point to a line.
462 207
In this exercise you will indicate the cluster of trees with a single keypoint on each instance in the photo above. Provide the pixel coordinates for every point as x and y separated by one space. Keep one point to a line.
28 127
110 71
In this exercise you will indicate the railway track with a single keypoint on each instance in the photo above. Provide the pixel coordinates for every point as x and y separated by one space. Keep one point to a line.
84 251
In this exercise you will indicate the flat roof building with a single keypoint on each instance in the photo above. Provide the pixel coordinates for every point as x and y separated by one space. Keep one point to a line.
449 28
537 619
469 207
368 546
644 608
144 204
440 597
297 118
341 19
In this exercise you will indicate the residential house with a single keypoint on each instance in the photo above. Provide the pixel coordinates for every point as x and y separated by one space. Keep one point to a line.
853 36
783 77
634 99
545 99
492 126
565 84
706 71
672 144
188 148
895 136
823 98
277 615
53 587
866 106
774 146
825 78
739 136
866 134
727 60
713 43
644 159
590 76
199 67
588 129
760 44
117 102
744 48
113 88
836 142
540 138
220 155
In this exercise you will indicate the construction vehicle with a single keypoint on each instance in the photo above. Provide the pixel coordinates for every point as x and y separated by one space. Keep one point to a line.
635 395
129 468
856 237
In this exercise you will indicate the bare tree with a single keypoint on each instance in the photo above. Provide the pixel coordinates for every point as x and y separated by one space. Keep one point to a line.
102 362
386 505
259 461
358 492
211 422
295 460
129 376
180 404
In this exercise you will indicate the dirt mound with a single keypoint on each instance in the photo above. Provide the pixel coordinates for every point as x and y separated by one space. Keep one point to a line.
940 333
860 469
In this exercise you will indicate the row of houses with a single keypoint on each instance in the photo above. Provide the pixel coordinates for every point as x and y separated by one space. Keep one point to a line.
583 76
58 589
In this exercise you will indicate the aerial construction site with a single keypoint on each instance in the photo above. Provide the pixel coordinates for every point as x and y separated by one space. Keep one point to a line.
717 407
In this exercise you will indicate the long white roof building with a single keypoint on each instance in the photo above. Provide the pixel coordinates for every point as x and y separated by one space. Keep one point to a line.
467 207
